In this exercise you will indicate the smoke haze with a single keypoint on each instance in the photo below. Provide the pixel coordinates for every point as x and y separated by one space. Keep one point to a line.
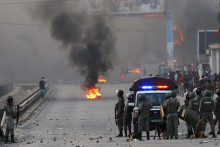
89 42
28 52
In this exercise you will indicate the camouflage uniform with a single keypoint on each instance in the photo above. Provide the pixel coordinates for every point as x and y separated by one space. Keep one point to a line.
167 96
128 116
172 105
10 114
194 105
143 117
120 112
207 106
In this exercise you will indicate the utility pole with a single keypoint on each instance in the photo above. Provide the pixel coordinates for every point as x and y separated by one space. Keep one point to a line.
169 22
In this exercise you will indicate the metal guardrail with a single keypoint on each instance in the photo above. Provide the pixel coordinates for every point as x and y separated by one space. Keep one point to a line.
23 106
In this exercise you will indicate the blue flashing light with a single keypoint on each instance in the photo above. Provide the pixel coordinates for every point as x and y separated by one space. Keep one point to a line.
147 87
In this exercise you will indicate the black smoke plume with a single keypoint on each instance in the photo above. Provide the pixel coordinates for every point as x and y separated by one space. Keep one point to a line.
89 42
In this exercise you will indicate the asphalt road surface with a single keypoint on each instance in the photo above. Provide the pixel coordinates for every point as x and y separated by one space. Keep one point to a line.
69 119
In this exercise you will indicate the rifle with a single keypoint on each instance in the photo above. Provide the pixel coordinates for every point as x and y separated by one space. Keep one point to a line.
18 114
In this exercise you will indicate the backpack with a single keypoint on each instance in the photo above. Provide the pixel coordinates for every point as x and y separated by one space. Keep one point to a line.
195 105
171 108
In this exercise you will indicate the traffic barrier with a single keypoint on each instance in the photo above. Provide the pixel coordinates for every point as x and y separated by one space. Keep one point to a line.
24 105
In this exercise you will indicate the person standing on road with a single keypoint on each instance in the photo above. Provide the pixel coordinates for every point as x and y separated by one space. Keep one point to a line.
10 116
207 106
128 113
217 110
194 105
42 84
119 107
143 116
172 105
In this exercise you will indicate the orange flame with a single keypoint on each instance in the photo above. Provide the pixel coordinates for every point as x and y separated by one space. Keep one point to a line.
181 34
101 79
122 76
176 41
136 70
94 93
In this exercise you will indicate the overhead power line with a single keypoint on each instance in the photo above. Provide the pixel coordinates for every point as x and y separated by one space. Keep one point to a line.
36 2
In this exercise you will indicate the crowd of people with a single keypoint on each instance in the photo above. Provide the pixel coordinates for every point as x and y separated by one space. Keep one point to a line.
199 93
187 78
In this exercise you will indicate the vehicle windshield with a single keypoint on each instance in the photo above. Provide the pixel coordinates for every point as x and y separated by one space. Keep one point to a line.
156 99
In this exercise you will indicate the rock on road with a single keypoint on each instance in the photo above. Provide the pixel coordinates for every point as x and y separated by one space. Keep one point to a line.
69 119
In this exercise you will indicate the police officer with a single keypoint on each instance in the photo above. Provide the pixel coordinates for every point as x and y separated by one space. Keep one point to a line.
10 115
120 111
128 113
143 116
199 94
167 96
207 106
172 105
194 105
217 110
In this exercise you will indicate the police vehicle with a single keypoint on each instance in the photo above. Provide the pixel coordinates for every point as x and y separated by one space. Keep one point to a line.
155 89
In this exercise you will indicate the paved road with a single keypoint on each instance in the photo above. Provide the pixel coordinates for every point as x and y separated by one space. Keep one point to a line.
69 119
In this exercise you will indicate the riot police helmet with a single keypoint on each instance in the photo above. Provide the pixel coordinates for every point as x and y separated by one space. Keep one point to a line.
130 96
187 96
207 93
119 93
192 95
198 91
9 98
142 97
218 92
173 93
167 95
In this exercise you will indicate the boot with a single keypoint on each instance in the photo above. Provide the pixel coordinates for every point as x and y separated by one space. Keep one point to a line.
120 133
148 136
140 136
129 132
214 136
189 134
126 135
12 139
6 139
